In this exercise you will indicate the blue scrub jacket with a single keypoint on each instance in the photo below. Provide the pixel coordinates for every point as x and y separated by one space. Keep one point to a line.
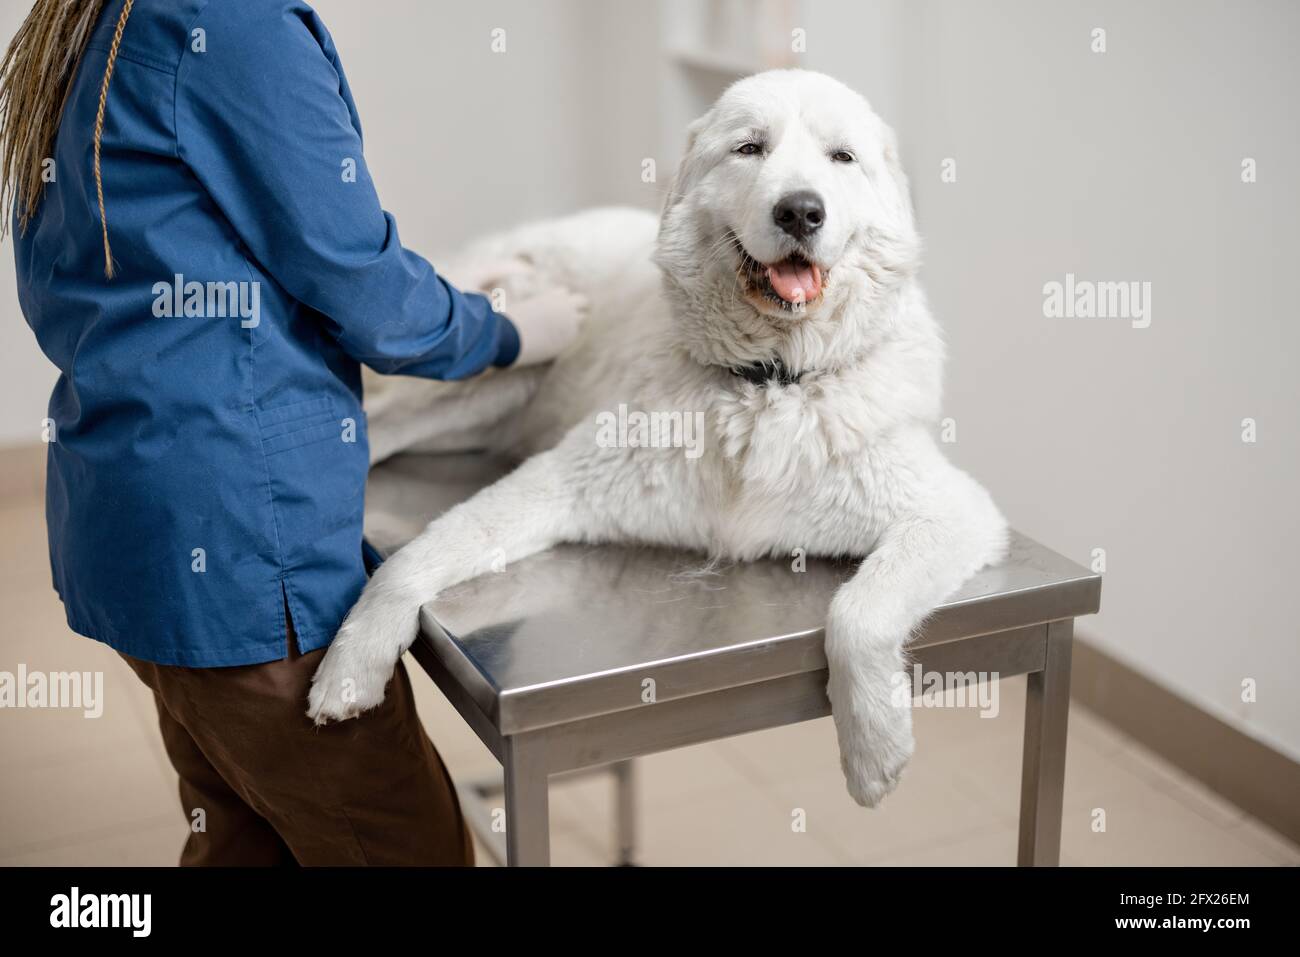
208 451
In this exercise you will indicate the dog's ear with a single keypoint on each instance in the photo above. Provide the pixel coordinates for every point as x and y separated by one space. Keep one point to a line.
691 165
895 167
894 242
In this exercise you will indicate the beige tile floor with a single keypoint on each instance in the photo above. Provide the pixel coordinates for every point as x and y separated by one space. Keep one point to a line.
79 791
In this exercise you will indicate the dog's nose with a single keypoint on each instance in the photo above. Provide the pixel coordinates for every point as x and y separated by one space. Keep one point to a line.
800 213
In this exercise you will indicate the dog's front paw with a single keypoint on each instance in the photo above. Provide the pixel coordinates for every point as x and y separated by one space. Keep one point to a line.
871 703
381 625
351 679
875 747
355 671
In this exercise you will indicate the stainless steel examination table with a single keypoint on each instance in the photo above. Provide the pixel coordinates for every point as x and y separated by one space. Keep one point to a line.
584 657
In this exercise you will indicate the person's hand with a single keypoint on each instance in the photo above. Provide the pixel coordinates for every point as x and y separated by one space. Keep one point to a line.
547 318
547 323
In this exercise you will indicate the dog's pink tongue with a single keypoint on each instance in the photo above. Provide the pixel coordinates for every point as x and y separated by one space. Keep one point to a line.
795 283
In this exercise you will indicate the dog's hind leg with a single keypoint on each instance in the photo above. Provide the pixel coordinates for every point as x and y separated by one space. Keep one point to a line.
604 254
421 415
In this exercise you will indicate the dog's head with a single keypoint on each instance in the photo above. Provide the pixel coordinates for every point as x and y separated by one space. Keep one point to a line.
788 225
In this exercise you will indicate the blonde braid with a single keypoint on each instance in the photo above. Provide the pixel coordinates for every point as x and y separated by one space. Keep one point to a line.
35 79
99 130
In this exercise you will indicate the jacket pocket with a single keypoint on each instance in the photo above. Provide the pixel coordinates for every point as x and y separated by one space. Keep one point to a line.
298 423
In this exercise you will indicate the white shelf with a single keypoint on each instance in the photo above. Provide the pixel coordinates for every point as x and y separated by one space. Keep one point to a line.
706 45
723 63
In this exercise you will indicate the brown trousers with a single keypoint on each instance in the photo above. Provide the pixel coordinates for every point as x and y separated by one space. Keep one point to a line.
274 789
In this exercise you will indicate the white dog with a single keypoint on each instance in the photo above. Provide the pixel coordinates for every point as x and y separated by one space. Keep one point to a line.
784 317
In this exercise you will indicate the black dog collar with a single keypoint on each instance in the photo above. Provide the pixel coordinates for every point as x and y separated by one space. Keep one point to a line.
761 373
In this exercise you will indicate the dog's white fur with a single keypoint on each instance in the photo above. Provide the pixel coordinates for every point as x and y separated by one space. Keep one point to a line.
842 463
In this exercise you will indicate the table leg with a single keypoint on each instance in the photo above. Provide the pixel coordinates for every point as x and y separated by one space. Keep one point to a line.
625 811
1042 781
528 816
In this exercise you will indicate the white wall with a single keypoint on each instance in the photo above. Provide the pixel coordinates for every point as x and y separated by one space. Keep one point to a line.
1123 165
26 376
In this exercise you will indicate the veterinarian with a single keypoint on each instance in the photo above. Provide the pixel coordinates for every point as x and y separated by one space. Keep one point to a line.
202 254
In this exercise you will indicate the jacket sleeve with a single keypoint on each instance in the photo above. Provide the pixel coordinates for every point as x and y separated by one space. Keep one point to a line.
265 120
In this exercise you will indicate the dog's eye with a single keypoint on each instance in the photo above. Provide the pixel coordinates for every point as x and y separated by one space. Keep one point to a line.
749 149
843 156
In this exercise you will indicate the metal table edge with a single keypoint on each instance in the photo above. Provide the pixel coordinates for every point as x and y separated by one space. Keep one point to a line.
509 709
